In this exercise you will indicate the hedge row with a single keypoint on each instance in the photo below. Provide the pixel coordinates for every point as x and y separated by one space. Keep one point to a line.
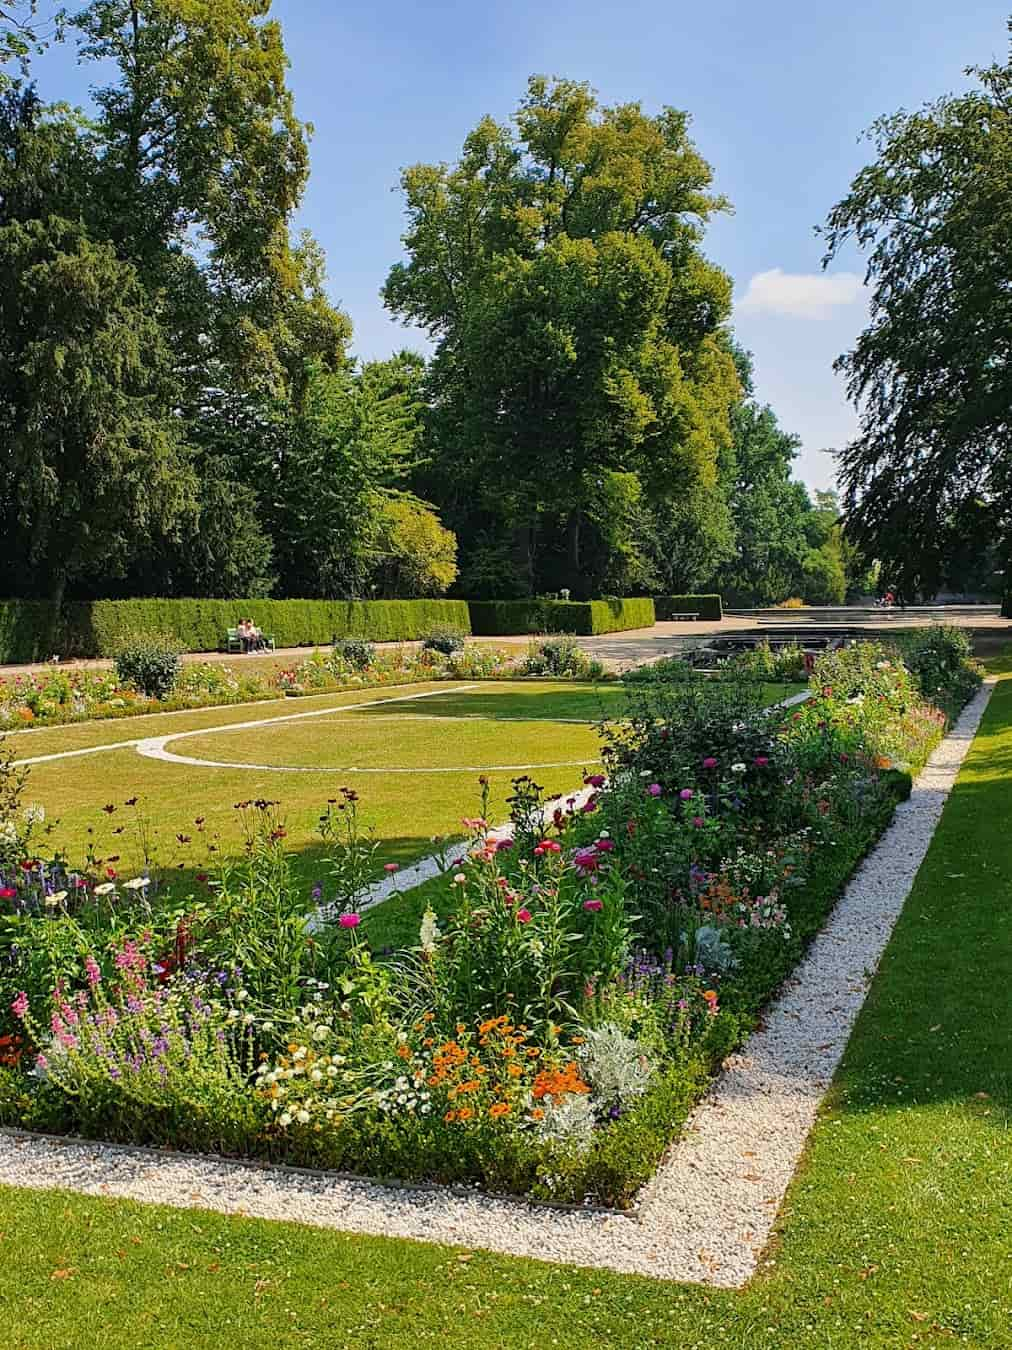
31 630
500 618
705 606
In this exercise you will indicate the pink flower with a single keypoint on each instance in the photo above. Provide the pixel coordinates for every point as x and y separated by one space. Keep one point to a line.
92 970
502 845
391 867
20 1005
605 845
595 780
709 762
761 761
350 920
592 906
551 846
686 794
654 789
697 821
523 916
7 893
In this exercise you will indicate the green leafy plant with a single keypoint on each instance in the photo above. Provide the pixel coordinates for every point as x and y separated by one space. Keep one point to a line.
150 662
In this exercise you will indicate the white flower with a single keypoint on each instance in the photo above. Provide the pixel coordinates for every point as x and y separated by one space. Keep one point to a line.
321 1033
57 898
303 1116
285 1118
316 1076
35 813
459 879
429 934
268 1026
738 768
137 883
241 995
105 888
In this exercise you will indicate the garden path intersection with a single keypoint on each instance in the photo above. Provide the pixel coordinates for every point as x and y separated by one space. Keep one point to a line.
708 1213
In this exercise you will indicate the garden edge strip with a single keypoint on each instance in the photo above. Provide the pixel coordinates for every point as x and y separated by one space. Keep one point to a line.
706 1216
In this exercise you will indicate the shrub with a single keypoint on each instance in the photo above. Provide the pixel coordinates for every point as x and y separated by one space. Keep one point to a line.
941 661
560 656
445 640
150 662
496 618
705 606
792 602
354 652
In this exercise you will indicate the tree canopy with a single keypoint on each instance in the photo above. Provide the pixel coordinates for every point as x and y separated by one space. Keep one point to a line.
578 326
932 372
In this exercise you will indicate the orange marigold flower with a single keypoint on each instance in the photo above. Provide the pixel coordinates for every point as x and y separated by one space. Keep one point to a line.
514 1070
537 1114
404 1052
500 1109
465 1113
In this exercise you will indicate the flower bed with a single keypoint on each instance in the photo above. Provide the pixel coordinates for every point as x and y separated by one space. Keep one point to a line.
57 697
570 992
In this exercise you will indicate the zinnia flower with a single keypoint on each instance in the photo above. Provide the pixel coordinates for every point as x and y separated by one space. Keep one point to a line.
761 761
523 916
350 920
654 790
709 762
686 794
592 906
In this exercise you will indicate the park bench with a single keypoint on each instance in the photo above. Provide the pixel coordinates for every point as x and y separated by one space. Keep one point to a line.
233 642
682 617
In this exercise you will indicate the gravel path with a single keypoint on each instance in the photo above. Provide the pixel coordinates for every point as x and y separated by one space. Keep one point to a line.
709 1211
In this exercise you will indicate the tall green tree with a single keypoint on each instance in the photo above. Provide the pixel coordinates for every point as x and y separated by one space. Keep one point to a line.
92 456
558 268
202 163
932 372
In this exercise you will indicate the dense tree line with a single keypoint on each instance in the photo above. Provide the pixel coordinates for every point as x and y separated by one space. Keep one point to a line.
179 412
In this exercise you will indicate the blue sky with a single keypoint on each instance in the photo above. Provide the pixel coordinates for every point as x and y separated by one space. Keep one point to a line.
779 94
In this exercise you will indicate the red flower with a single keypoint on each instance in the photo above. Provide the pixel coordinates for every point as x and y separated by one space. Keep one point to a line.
523 916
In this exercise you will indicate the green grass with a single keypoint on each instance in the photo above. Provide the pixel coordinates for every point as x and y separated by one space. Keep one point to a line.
517 724
897 1231
454 732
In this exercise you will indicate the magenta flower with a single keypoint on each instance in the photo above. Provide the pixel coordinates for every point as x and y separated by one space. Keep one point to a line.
592 906
91 969
697 821
709 762
7 893
350 920
20 1005
605 845
595 780
761 761
686 794
503 845
523 916
654 789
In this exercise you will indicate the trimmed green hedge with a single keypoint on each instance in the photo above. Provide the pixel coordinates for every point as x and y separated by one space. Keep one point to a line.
706 606
94 628
502 618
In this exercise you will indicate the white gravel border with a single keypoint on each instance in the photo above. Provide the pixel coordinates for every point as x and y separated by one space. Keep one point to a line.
707 1214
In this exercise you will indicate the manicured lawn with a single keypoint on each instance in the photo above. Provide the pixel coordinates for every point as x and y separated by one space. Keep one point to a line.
455 732
405 810
895 1233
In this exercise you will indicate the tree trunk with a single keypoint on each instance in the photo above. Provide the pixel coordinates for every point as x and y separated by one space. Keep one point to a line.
57 590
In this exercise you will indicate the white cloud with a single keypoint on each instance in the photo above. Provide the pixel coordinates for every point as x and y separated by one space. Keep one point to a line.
800 295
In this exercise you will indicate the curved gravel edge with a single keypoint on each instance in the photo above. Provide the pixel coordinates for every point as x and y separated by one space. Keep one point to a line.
708 1212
